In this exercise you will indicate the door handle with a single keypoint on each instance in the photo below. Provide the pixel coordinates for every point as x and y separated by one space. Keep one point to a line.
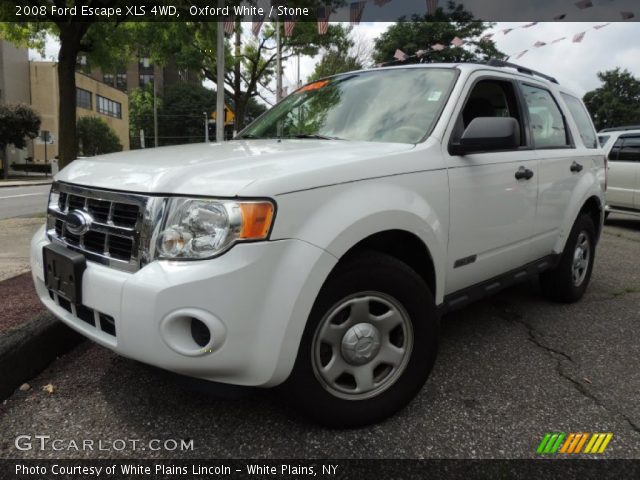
524 174
576 167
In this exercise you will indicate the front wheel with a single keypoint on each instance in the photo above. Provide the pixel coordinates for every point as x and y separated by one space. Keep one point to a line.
569 280
369 344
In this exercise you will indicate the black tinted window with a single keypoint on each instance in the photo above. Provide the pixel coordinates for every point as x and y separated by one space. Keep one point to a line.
630 150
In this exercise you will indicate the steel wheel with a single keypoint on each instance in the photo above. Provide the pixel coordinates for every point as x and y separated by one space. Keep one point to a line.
362 346
581 257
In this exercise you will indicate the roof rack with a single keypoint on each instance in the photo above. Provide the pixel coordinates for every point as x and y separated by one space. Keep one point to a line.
620 129
494 62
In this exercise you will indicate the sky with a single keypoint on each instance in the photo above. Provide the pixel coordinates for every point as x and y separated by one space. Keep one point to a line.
575 65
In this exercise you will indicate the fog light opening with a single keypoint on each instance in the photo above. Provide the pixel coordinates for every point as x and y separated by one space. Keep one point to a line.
200 332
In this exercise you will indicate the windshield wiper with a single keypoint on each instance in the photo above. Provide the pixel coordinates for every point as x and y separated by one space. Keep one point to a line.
314 136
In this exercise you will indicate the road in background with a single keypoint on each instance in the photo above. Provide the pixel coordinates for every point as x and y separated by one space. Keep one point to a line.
22 201
510 369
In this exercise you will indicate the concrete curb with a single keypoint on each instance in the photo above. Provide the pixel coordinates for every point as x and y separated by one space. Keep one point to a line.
25 183
27 350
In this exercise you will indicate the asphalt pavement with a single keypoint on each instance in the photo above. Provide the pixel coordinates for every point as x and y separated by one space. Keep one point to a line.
510 369
23 201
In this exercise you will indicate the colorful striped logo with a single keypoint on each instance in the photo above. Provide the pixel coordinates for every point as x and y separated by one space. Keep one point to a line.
554 443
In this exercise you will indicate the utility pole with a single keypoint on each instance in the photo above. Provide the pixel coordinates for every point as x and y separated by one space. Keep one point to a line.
155 114
220 80
206 128
278 64
236 81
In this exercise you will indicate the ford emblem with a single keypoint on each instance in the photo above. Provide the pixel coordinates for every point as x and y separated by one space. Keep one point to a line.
78 222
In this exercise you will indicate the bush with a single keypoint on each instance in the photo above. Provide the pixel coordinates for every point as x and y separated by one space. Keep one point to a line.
96 137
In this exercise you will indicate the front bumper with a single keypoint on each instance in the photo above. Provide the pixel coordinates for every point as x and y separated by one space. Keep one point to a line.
255 299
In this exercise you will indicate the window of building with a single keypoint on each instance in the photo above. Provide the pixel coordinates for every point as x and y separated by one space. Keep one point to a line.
108 107
83 99
146 79
108 78
581 117
145 62
121 80
545 117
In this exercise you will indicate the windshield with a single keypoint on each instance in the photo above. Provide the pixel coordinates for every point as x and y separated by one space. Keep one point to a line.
399 105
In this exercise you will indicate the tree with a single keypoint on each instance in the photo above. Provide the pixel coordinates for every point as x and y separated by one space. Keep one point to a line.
182 114
353 54
249 65
103 42
96 137
17 123
440 28
141 113
617 101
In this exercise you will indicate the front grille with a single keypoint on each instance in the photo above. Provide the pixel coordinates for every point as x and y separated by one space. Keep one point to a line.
96 319
113 237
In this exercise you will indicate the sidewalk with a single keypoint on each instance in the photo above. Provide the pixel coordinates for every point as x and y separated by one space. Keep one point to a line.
26 182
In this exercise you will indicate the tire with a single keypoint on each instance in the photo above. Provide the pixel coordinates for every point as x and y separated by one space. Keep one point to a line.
339 338
565 283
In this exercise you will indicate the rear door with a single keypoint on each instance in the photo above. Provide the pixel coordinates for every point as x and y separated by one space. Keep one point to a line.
563 160
623 190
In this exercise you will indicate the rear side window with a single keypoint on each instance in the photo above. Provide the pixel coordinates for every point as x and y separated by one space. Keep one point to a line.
581 117
603 139
626 149
546 120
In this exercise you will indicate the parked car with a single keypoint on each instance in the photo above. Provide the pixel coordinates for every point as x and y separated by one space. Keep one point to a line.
319 249
622 146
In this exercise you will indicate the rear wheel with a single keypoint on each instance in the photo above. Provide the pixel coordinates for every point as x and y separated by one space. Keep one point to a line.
569 280
369 344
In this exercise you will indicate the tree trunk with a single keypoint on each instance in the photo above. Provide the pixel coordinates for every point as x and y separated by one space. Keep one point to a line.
5 161
70 37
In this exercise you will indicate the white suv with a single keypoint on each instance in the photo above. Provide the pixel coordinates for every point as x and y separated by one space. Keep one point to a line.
319 248
622 146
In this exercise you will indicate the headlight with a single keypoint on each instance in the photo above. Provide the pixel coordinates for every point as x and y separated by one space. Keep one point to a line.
201 228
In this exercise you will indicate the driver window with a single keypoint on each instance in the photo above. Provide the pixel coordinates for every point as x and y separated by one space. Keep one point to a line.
489 98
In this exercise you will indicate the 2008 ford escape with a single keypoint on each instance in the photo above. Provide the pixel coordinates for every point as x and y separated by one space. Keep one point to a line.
320 247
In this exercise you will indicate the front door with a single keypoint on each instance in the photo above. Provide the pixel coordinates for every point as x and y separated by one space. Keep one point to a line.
491 211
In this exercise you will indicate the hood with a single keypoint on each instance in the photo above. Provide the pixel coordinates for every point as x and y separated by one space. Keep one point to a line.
228 169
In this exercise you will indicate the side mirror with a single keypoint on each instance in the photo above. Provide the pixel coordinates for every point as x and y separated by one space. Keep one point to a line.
488 134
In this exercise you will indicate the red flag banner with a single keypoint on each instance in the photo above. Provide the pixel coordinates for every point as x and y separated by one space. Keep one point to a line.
582 4
457 42
257 24
229 26
560 17
289 25
529 25
577 38
558 40
400 55
487 36
521 54
506 30
627 15
356 11
598 27
421 53
323 19
437 47
539 44
432 6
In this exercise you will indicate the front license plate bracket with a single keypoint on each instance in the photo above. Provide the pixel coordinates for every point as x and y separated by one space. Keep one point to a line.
63 271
